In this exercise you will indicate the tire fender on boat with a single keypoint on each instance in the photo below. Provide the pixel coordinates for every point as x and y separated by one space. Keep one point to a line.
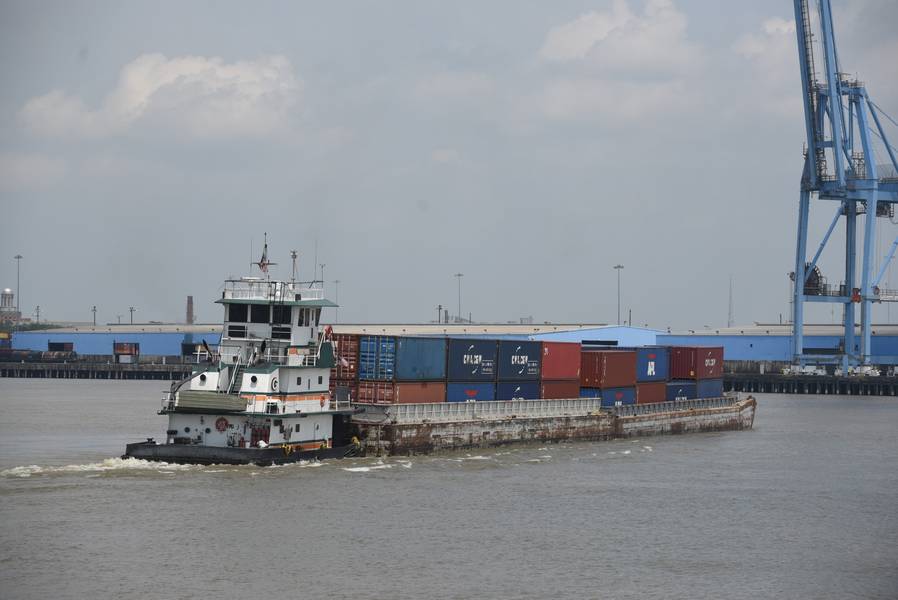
221 424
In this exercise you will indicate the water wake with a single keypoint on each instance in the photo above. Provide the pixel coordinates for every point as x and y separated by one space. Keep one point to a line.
106 466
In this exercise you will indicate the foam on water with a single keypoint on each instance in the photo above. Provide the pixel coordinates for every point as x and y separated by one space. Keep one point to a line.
108 465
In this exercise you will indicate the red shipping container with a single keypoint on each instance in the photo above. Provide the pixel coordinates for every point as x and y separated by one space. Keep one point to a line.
376 392
559 390
696 362
561 360
419 392
651 393
346 349
607 369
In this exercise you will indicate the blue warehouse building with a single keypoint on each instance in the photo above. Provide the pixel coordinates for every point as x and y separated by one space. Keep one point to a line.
153 339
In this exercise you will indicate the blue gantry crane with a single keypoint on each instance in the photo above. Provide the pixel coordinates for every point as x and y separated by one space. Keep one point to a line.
840 166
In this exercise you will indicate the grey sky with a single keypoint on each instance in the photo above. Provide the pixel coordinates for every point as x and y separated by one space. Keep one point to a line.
531 147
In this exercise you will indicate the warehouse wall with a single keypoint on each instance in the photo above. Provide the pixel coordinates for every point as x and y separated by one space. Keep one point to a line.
168 344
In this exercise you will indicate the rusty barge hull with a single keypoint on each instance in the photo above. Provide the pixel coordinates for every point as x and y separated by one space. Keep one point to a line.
427 428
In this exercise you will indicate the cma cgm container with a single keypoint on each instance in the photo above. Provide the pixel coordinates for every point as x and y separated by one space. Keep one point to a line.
472 360
377 357
468 391
709 388
611 396
560 361
518 360
559 390
652 363
420 359
517 390
607 369
696 362
651 392
347 357
419 392
680 390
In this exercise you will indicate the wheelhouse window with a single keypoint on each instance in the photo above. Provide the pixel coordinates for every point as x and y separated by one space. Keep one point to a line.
317 316
280 315
258 313
303 318
237 331
237 313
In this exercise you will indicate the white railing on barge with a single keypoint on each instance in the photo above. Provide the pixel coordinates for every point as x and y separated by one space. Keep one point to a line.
632 410
477 411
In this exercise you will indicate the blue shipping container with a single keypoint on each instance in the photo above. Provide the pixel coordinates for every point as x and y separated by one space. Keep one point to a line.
652 363
377 357
420 359
590 393
465 392
517 390
618 396
519 360
680 390
472 360
709 388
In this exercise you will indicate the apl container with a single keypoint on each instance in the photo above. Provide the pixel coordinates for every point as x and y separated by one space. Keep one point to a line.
560 361
696 362
651 392
680 390
517 390
611 396
652 364
607 369
377 357
519 360
419 392
472 360
420 359
709 388
468 391
559 390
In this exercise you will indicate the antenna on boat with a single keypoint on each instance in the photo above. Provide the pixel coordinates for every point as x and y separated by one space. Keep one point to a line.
294 254
264 263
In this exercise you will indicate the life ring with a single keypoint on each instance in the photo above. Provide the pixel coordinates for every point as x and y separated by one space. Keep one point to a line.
274 384
221 424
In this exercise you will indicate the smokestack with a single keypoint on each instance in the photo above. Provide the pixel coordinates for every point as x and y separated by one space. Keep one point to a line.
190 310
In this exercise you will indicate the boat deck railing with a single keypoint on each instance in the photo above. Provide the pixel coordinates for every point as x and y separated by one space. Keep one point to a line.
632 410
254 288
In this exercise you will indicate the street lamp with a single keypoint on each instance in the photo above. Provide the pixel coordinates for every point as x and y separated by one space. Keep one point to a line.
618 269
18 258
94 310
131 309
337 300
459 276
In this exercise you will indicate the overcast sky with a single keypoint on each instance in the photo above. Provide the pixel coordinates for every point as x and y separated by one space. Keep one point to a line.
146 147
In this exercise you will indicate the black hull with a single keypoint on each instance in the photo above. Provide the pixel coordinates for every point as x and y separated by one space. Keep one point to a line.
186 454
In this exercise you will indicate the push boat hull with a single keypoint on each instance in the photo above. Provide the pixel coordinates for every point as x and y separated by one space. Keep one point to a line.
188 454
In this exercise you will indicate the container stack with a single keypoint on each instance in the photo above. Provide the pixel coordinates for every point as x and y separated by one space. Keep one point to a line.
377 366
560 371
519 370
471 370
609 375
652 373
344 380
695 372
420 370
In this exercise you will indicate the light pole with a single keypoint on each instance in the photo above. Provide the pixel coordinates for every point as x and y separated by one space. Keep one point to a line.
323 280
94 310
337 300
618 269
18 258
131 309
459 276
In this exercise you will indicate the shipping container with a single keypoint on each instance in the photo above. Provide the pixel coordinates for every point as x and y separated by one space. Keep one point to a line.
517 390
420 359
468 391
680 390
472 360
346 352
618 396
559 390
376 392
560 361
377 357
652 364
518 360
607 369
651 392
344 390
695 362
419 392
709 388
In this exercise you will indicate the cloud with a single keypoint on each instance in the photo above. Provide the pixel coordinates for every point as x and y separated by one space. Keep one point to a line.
621 42
199 96
29 171
617 66
771 80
